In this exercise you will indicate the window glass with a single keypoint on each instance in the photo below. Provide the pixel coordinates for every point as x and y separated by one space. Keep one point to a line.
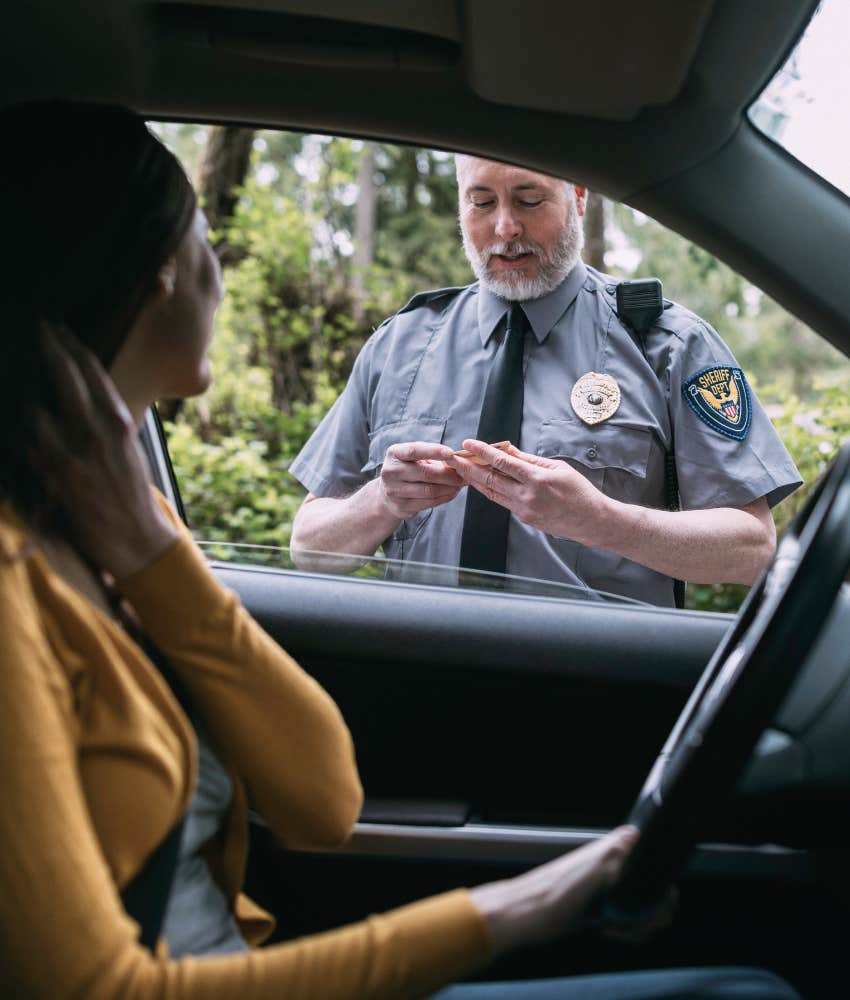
323 238
805 107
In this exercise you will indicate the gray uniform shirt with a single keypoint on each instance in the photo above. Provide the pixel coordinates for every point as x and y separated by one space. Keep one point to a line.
422 375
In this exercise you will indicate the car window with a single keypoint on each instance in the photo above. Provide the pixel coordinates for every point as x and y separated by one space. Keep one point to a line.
407 572
805 108
323 238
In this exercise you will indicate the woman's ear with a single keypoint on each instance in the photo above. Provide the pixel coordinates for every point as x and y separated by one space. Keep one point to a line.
166 277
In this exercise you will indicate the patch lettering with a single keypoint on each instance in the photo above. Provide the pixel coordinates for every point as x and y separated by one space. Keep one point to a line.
720 397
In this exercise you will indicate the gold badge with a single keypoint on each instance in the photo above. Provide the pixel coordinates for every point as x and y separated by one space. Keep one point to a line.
595 397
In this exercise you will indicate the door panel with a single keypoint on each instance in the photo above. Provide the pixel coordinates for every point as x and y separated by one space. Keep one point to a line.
520 709
494 731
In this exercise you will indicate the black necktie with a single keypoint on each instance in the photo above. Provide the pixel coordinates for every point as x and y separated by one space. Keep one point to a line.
484 542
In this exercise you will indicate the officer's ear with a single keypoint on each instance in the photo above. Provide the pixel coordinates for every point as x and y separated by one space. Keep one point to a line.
581 198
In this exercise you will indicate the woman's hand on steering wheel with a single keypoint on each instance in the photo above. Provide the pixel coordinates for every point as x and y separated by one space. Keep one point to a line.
552 899
87 452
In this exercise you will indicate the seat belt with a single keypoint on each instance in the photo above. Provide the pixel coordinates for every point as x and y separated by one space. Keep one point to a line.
639 304
146 896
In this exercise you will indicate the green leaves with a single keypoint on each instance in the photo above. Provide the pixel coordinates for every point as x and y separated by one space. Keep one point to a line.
230 489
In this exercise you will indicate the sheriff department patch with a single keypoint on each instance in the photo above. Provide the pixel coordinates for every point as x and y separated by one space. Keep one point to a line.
720 397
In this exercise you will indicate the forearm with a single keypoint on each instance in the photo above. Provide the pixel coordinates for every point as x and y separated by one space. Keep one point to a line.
720 545
252 696
356 524
552 899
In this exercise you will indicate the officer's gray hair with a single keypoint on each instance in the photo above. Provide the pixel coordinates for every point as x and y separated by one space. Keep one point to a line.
463 161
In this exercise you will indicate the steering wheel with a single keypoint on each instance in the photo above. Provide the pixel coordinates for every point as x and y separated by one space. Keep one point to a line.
738 693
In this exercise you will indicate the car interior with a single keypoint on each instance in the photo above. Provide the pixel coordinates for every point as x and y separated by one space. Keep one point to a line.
496 730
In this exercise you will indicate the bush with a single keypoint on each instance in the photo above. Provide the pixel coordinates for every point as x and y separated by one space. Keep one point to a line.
230 491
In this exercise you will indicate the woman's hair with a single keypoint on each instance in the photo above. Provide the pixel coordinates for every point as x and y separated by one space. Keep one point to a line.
92 204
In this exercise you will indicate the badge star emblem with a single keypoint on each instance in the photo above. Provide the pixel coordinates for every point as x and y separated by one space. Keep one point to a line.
595 397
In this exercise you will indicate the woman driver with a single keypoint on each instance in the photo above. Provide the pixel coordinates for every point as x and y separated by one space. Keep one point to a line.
141 705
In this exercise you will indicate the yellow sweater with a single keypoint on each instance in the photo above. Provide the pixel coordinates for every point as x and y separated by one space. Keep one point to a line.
97 763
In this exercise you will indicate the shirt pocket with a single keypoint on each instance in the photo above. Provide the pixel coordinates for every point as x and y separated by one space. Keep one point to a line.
400 431
614 457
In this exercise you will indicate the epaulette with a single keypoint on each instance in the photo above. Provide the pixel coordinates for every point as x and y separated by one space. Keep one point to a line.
426 298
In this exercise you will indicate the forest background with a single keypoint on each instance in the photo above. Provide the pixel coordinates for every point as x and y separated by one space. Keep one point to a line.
322 238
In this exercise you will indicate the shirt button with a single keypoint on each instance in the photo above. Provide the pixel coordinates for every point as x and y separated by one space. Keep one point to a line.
591 453
610 289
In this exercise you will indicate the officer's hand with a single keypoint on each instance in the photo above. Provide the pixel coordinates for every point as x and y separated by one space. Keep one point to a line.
544 493
415 476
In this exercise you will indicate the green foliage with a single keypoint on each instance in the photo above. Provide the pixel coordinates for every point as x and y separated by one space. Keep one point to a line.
231 490
417 219
813 435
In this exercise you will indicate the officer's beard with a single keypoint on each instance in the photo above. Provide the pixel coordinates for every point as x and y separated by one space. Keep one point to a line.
552 266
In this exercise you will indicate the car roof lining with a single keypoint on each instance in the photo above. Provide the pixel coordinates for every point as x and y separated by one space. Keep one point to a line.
140 54
534 55
438 18
672 160
608 61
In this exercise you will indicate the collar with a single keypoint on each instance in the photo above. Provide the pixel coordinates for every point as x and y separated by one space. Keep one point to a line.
542 313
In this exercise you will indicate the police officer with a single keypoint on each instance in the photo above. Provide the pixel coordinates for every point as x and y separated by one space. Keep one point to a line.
587 484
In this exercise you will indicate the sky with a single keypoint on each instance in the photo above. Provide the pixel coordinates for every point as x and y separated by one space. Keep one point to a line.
818 132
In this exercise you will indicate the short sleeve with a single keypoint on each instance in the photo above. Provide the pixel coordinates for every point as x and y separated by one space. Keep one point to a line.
727 451
331 463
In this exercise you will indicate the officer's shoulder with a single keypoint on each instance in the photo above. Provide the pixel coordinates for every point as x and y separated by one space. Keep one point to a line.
674 318
678 319
433 302
437 299
405 325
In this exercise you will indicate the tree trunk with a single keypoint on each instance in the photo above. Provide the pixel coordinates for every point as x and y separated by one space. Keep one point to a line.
223 169
594 231
364 230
